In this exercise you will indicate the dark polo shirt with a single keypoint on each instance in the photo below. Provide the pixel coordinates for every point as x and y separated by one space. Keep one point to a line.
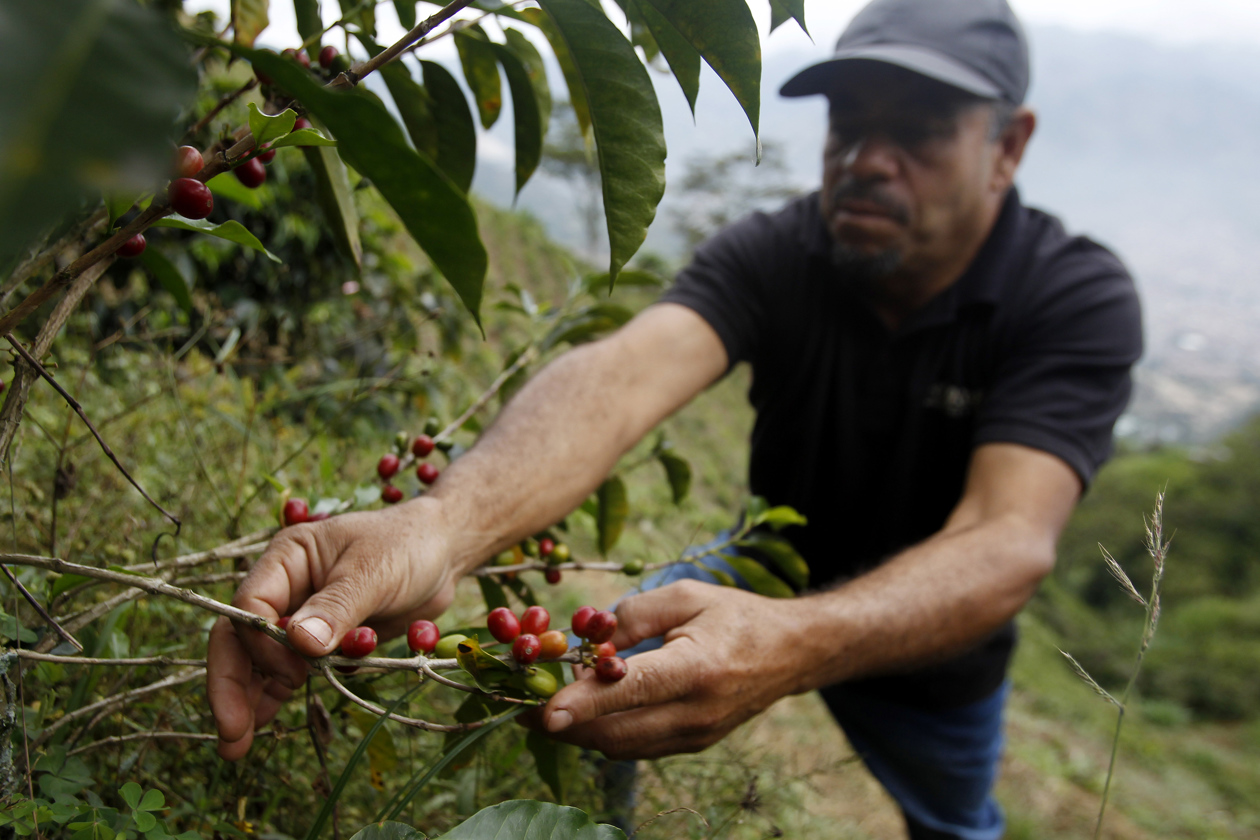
868 432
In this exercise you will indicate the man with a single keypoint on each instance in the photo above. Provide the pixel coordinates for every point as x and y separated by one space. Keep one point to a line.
936 372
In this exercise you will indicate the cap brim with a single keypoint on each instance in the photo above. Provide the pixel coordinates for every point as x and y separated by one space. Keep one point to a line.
820 78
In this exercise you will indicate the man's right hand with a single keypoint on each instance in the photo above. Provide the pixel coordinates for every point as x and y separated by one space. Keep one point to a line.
383 569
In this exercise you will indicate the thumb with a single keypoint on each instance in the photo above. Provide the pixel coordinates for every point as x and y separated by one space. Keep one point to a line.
657 611
347 598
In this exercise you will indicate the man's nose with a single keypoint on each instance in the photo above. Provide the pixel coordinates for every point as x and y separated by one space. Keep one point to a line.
872 155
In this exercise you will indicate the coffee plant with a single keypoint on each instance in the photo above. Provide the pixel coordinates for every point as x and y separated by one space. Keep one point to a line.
262 199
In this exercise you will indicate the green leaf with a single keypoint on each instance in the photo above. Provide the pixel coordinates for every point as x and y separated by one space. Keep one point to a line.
249 17
303 137
587 323
722 576
779 517
558 763
782 553
525 50
362 14
168 276
756 506
152 801
456 133
232 231
613 509
64 583
434 210
626 120
412 102
528 818
118 203
599 283
225 185
266 127
80 63
528 129
783 10
481 72
387 830
131 793
683 60
492 593
406 10
144 820
678 472
336 199
725 34
757 576
568 67
309 24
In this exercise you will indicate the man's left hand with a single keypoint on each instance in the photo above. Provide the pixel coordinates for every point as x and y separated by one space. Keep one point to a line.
728 654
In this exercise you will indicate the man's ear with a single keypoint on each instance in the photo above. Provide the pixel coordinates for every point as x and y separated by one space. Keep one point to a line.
1011 144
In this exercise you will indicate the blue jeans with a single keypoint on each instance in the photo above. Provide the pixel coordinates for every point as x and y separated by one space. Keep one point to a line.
938 765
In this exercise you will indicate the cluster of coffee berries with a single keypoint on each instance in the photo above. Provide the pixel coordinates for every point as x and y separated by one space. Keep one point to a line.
296 511
407 451
330 60
540 547
596 628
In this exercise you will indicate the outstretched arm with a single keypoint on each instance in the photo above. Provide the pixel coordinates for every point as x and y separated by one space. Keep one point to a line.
728 654
552 445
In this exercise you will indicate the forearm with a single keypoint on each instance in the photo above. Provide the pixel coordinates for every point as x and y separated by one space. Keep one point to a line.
932 601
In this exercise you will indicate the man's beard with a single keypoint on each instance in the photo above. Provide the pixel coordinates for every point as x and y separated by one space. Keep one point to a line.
862 268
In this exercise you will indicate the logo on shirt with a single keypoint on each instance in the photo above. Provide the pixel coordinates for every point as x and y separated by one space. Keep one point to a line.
954 401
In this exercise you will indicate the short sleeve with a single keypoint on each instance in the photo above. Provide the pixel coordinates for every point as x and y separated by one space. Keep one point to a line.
725 282
1068 376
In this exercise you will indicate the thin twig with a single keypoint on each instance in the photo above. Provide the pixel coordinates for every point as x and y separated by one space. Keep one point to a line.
387 55
82 711
91 660
148 736
407 721
43 613
227 100
33 362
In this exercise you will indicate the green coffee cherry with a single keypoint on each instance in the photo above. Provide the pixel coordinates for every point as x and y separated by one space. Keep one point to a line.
530 546
541 682
432 426
447 646
505 558
559 554
633 567
340 64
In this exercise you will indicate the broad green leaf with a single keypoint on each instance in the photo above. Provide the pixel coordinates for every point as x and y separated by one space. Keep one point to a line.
433 209
761 580
266 127
613 509
249 17
683 60
364 14
568 67
406 10
756 506
131 793
782 553
779 517
309 25
456 132
528 128
410 98
303 137
144 820
721 575
152 801
558 763
387 830
118 203
626 120
725 35
492 593
64 583
232 231
587 324
336 199
528 818
536 68
225 185
678 471
481 72
782 10
80 63
598 283
168 277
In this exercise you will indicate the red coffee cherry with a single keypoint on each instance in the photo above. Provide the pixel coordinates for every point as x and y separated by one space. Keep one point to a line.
283 621
268 155
296 511
190 198
387 467
422 446
525 648
391 495
359 642
301 123
319 517
133 247
581 621
326 56
423 636
552 576
601 626
535 620
188 161
299 56
503 624
553 644
545 546
251 173
605 650
610 669
427 473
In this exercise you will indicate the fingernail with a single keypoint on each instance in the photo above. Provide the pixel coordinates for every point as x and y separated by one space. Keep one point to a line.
559 720
318 629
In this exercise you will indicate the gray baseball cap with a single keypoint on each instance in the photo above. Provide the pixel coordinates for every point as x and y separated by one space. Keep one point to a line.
975 45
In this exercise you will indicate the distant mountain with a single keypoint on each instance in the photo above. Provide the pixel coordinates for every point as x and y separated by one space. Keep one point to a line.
1153 150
